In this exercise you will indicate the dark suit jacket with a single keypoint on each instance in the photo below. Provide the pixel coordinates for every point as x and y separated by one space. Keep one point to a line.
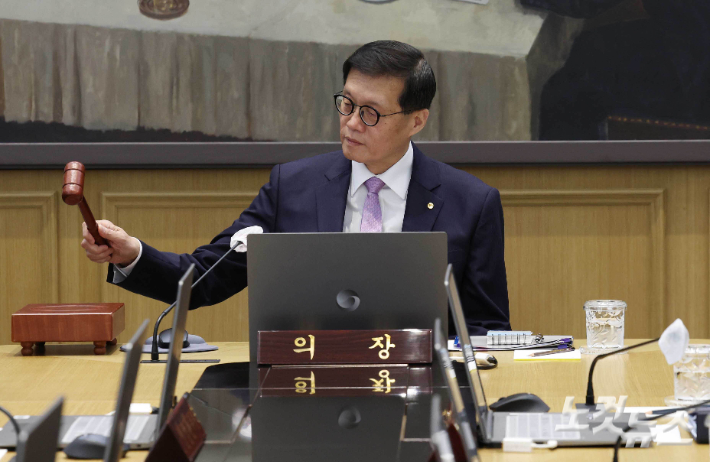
309 195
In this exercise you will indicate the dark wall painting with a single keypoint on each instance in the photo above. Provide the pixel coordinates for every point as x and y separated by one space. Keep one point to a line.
507 70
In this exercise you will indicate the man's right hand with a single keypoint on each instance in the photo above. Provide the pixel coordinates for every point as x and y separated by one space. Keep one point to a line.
123 250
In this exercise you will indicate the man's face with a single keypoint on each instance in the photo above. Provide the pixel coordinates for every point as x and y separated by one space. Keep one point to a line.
378 147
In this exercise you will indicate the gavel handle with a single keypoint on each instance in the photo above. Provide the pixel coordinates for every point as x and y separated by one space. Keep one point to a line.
91 222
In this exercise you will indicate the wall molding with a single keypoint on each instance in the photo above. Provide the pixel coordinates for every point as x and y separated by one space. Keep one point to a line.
113 202
652 198
46 202
261 154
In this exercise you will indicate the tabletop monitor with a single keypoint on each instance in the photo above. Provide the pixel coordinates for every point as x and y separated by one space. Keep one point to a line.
38 442
331 281
459 414
175 348
133 349
474 378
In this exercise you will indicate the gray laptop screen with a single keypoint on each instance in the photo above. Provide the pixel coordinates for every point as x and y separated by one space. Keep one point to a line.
462 331
175 348
134 347
460 415
350 281
38 442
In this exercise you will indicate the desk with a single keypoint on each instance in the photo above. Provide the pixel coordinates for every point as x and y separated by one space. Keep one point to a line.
89 384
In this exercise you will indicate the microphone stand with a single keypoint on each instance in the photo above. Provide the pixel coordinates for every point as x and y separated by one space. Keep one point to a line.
590 386
154 346
154 356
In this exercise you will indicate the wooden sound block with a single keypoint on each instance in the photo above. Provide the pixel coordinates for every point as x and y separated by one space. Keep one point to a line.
99 323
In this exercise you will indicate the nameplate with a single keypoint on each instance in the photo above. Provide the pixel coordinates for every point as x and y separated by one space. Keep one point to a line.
294 347
182 437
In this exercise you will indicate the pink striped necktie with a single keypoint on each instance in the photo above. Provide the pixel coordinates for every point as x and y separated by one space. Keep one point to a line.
372 213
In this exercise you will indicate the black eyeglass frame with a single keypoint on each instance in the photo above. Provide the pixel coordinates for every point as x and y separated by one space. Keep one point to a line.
379 116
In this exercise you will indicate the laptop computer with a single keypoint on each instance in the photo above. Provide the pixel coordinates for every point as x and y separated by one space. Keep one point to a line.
37 441
463 425
331 281
138 433
121 427
167 397
139 430
493 427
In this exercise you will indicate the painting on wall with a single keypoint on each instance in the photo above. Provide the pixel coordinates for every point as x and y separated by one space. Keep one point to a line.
639 69
507 70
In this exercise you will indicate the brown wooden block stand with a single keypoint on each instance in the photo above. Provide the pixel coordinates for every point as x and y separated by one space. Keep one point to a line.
99 323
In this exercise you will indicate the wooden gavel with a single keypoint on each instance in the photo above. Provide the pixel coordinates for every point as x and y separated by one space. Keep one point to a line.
73 194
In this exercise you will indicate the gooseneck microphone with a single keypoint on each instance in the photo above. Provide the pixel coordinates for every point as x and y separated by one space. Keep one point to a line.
590 386
154 357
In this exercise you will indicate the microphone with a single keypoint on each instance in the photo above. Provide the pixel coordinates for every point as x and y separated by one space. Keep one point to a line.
154 357
590 386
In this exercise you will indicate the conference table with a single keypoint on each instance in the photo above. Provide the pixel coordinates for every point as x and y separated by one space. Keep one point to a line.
89 385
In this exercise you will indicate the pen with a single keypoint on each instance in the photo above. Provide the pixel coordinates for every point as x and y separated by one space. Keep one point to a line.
552 352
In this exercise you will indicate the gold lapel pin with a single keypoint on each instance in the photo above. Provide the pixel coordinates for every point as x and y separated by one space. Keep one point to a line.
430 205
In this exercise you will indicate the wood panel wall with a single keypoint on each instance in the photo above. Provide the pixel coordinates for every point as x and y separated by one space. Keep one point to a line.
636 233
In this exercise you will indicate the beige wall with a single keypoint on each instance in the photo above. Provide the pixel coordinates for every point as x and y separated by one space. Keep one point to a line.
634 233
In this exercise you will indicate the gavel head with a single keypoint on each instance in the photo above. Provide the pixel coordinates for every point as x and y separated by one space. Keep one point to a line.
73 190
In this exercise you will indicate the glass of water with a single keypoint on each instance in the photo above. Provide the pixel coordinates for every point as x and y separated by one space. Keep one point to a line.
605 326
691 376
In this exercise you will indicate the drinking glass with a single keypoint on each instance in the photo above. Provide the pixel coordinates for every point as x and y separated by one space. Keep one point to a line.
605 325
691 376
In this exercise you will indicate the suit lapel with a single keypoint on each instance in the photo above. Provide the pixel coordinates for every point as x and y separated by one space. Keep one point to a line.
331 197
423 205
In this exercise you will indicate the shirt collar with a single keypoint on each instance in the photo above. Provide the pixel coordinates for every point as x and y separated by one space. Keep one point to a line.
396 178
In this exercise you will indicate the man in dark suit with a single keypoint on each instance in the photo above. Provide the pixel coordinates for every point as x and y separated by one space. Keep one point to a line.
379 182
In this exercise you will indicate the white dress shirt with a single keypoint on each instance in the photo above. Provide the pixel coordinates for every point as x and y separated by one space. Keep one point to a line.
117 276
393 196
393 200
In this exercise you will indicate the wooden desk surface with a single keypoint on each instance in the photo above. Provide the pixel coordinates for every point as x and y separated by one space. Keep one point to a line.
89 384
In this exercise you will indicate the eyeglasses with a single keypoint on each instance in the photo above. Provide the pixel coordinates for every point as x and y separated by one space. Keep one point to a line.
368 115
